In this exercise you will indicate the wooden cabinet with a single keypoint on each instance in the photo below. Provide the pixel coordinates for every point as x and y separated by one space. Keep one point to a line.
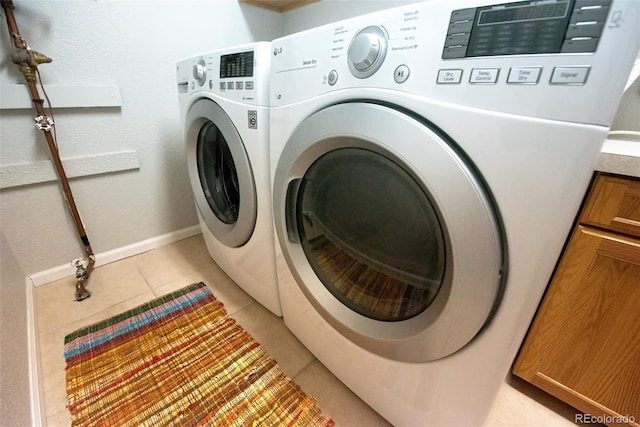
584 344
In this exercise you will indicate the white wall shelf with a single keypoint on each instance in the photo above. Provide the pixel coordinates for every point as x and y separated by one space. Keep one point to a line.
43 171
16 96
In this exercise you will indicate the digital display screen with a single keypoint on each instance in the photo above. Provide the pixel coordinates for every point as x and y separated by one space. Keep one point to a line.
523 13
236 65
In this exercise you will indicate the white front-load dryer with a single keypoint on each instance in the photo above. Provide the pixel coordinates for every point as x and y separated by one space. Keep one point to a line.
427 165
224 102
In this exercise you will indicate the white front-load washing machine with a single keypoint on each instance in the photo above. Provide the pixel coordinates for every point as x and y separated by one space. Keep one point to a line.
427 165
224 102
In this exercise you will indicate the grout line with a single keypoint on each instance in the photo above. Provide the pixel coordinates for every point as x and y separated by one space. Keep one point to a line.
306 366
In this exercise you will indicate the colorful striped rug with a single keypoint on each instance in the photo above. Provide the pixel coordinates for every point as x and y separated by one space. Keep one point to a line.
179 360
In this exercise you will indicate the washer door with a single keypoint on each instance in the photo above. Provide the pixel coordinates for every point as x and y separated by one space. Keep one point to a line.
388 231
220 174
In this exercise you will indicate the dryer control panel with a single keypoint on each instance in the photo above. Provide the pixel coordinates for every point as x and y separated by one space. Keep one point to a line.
563 60
528 27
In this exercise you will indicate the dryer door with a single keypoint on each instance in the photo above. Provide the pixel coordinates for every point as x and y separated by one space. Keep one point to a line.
220 174
388 231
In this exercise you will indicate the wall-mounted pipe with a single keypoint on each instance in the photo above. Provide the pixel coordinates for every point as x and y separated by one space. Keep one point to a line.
28 61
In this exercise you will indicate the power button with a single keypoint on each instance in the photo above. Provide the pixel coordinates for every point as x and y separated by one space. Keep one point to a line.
332 78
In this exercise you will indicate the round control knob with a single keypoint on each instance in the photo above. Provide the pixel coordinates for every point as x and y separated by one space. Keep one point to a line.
364 51
200 72
367 51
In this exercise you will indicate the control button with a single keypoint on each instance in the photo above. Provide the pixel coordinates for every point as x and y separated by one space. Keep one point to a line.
569 75
460 27
584 29
230 85
239 85
223 85
248 85
580 44
589 14
524 75
401 74
333 77
484 75
449 76
454 52
589 3
461 39
463 15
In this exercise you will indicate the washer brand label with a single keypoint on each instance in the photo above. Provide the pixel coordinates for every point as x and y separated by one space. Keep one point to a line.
252 116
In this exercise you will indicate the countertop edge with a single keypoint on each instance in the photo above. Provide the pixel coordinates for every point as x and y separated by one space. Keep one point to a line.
620 157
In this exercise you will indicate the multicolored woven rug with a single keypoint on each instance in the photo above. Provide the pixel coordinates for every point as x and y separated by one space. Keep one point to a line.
179 360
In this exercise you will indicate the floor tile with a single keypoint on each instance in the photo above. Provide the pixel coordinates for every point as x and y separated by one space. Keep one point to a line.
520 404
109 284
270 331
335 399
222 287
166 264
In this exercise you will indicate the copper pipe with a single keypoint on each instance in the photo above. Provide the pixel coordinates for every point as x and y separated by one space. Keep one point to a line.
28 61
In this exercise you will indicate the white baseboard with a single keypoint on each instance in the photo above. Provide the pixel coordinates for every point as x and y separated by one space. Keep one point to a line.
66 270
37 399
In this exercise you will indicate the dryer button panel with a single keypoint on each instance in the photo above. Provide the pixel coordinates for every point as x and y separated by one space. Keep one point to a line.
517 75
530 27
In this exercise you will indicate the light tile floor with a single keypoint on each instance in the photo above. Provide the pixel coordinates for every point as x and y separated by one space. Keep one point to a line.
125 284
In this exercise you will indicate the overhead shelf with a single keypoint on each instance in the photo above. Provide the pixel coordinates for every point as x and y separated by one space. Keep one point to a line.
279 5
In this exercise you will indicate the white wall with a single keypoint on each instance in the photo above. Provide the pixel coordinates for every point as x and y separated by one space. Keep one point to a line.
628 116
14 366
328 11
133 45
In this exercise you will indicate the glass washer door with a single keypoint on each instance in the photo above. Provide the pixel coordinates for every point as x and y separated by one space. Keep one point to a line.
388 232
220 174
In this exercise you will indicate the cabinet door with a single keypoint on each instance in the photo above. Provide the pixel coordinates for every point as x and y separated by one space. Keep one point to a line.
584 344
614 204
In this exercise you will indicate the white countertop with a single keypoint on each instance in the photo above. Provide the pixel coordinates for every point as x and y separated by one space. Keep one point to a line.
620 157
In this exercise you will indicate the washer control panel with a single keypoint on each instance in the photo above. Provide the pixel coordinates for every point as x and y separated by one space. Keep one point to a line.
240 73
